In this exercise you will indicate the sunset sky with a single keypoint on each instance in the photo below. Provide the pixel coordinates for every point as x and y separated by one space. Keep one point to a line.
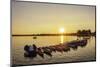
30 17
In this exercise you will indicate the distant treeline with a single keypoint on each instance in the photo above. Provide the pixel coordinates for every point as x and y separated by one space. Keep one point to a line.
85 33
79 33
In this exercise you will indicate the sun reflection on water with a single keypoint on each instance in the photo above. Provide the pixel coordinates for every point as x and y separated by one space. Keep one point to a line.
62 39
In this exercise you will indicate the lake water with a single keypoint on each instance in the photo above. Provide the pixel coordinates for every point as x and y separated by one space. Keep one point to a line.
86 53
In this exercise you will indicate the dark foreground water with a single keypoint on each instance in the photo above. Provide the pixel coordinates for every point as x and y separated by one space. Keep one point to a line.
86 53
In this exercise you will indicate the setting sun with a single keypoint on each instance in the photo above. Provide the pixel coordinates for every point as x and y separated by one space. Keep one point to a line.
61 30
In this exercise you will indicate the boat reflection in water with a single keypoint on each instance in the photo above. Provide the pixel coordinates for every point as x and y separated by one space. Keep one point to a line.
33 51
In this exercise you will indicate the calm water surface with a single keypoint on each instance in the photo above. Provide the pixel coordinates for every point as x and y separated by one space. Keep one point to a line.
86 53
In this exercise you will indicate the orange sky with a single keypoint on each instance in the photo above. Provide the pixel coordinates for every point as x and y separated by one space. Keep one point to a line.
28 18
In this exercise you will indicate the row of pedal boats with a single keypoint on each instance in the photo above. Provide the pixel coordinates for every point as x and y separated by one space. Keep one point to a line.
33 51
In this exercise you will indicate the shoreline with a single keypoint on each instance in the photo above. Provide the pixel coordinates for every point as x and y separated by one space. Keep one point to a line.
72 34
